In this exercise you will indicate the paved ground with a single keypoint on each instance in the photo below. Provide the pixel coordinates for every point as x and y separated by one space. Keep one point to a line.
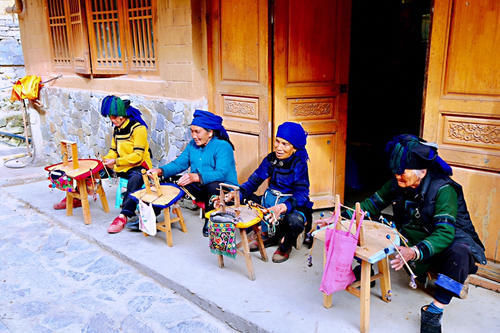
283 298
54 281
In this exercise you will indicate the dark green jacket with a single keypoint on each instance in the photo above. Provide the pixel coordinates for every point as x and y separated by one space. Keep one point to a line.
432 216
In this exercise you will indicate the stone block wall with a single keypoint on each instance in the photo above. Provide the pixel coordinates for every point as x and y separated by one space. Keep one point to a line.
71 114
11 69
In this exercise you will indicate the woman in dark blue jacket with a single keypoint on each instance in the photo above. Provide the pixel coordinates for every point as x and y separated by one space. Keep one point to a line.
287 196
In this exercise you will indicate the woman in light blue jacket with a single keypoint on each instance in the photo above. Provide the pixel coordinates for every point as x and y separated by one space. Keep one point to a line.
209 158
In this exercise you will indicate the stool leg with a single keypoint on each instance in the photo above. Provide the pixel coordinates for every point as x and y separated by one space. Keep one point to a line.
327 299
260 243
82 187
220 258
178 212
102 196
365 297
246 254
385 280
69 204
168 227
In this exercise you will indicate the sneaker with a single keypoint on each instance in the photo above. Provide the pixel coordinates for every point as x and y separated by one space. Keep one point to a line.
62 204
117 225
300 240
133 224
279 256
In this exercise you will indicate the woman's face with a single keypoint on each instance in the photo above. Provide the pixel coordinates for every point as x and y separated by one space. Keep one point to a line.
200 135
117 120
408 179
283 149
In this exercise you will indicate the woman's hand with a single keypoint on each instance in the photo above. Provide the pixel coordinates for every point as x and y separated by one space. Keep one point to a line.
278 209
188 178
408 254
109 163
159 172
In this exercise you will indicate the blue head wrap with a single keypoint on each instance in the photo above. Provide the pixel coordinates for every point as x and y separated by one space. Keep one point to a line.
210 121
295 134
410 152
115 106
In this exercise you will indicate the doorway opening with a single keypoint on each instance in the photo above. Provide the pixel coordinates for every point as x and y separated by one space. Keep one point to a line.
387 71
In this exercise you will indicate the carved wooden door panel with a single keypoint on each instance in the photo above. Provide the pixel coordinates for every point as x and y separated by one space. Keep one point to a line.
462 106
311 63
239 70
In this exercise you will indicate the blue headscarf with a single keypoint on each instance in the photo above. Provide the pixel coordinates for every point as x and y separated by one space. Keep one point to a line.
115 106
210 121
295 134
410 152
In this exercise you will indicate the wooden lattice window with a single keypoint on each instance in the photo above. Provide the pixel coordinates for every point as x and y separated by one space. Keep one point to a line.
58 26
103 36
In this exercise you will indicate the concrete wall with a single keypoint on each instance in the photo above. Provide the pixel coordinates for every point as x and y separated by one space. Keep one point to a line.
73 114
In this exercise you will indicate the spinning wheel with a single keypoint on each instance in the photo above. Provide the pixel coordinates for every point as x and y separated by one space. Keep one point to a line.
246 217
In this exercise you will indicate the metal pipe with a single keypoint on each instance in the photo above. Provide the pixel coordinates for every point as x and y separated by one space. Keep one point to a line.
14 136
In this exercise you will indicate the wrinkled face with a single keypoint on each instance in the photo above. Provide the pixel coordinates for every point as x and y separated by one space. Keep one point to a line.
200 135
409 178
117 120
283 149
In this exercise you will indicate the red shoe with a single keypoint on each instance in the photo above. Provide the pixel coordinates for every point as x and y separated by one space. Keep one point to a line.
62 205
117 225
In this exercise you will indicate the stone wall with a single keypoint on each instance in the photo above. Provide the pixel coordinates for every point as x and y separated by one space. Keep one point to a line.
11 69
70 114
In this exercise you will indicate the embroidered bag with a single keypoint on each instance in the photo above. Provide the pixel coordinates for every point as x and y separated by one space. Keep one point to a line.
147 218
340 247
61 181
222 238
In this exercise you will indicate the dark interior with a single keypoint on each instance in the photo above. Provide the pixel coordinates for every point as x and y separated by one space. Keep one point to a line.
387 69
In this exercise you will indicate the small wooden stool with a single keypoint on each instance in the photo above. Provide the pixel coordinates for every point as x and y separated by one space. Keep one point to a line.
251 218
374 248
80 170
165 196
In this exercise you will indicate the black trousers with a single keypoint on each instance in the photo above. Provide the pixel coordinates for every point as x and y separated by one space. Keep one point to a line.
203 192
135 182
455 262
290 227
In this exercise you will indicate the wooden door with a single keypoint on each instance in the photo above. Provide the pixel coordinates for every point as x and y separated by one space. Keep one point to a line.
311 63
239 76
462 105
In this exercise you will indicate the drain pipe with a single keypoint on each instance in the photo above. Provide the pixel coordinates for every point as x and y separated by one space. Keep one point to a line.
17 8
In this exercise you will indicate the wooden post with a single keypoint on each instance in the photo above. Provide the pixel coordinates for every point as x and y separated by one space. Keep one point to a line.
74 155
64 152
358 221
157 184
146 181
337 211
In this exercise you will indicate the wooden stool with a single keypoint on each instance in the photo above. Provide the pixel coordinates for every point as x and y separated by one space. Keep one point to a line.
81 170
374 248
165 196
250 217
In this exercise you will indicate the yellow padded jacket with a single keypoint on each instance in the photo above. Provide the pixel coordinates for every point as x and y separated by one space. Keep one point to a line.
130 146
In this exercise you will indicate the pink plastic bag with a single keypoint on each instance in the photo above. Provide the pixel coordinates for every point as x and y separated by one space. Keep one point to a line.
340 247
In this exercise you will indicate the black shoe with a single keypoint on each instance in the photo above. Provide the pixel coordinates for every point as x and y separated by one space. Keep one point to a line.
308 240
430 322
357 274
205 229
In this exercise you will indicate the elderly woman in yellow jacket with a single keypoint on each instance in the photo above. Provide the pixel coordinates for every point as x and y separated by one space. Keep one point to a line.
129 152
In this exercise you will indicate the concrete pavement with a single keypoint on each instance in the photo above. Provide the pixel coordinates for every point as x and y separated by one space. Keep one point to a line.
283 298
